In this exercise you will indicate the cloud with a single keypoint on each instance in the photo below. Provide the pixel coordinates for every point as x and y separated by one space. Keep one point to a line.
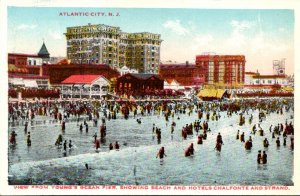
244 37
55 35
204 40
202 43
238 38
176 27
26 26
240 26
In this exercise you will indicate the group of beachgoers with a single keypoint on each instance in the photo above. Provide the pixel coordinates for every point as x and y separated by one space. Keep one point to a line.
65 111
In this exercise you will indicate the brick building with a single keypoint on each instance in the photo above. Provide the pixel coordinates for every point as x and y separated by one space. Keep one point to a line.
228 70
59 72
138 84
184 74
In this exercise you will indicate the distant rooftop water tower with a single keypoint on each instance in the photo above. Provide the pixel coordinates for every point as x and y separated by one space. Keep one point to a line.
279 67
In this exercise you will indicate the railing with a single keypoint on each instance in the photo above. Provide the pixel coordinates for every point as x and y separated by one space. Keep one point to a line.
102 92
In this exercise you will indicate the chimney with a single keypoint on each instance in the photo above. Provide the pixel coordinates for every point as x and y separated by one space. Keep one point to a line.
41 70
186 62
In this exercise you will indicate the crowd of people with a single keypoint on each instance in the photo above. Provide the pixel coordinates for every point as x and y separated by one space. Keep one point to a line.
34 92
206 112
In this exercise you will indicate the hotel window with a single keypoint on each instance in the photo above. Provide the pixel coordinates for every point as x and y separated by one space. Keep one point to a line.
270 81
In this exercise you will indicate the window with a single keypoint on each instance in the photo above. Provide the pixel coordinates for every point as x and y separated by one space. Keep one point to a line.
29 62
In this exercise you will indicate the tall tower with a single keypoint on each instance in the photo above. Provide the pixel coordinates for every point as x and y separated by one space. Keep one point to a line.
44 54
279 67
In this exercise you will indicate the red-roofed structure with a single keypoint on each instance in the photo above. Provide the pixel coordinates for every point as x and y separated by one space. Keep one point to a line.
85 86
26 76
59 72
81 79
184 74
23 55
269 76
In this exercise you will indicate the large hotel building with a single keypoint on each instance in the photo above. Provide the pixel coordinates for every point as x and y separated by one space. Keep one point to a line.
221 69
209 69
103 44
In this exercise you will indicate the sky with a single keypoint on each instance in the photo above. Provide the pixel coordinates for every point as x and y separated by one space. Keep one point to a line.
262 35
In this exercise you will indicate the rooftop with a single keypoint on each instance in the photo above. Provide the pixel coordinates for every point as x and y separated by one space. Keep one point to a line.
27 76
177 66
81 79
269 76
22 55
43 51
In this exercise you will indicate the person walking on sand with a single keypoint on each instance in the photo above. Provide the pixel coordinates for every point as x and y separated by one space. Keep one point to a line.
259 157
264 157
161 153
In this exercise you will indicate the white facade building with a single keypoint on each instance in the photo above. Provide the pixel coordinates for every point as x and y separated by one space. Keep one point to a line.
124 70
255 79
85 86
34 61
28 81
172 84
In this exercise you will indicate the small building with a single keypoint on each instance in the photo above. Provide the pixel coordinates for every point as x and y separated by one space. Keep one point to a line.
256 79
28 81
173 85
138 84
84 86
124 70
22 60
184 74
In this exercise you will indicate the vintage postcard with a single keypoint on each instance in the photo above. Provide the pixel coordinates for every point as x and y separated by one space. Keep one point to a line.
107 97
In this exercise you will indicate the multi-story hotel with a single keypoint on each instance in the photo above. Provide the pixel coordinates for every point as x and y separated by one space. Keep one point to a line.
103 44
226 70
